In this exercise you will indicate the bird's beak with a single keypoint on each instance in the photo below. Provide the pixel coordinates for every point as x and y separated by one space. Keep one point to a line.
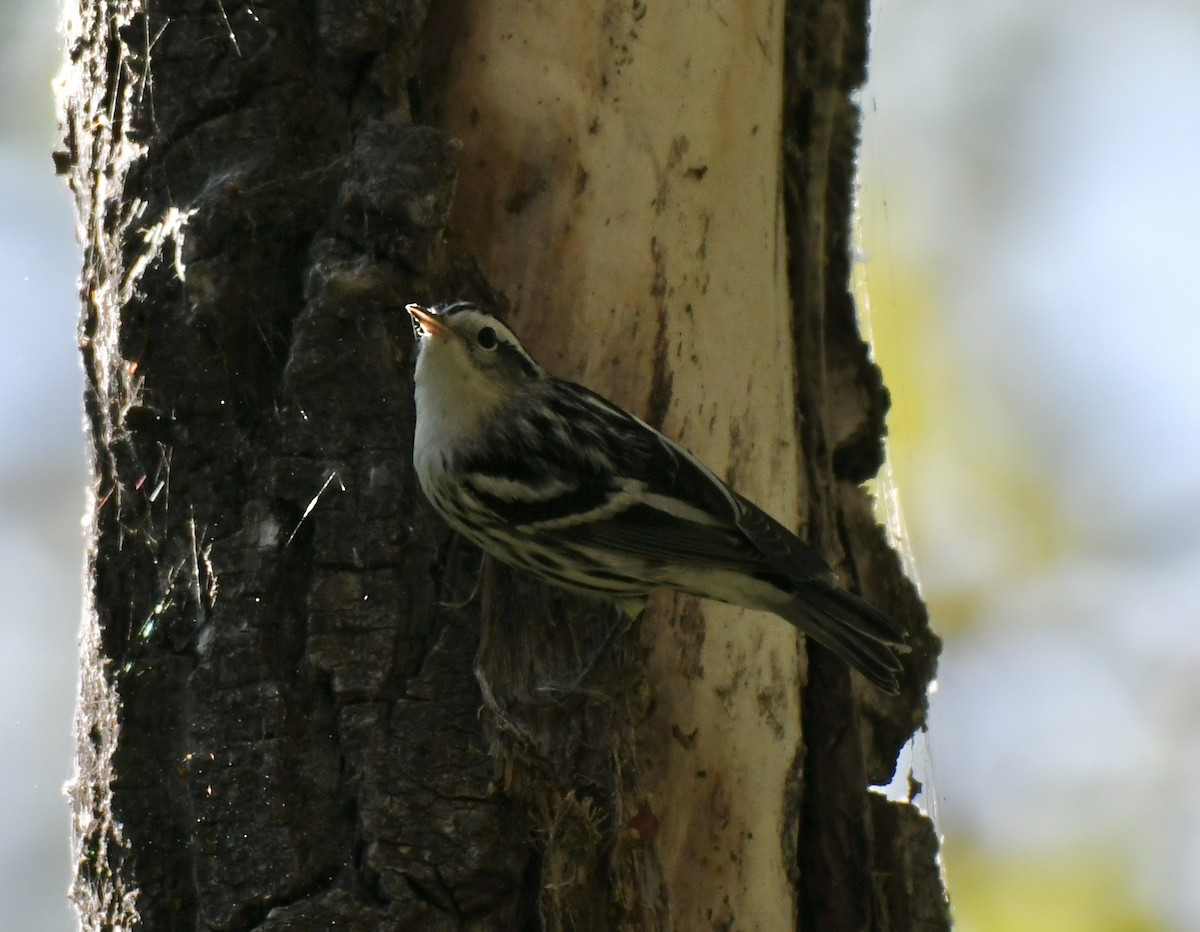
428 322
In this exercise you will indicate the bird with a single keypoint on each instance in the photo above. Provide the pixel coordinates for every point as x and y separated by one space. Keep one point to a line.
551 478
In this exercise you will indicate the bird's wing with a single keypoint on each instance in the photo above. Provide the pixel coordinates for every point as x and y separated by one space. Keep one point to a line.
669 505
582 469
656 535
786 552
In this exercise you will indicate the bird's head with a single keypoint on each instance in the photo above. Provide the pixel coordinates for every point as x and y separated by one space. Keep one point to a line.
468 361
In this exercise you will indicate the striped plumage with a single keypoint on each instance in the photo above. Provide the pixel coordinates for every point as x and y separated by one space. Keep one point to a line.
554 480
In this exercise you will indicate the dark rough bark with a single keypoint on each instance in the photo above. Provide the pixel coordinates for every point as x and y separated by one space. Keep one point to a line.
851 876
279 722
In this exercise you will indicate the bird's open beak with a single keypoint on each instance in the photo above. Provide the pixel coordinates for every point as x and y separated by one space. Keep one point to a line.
428 322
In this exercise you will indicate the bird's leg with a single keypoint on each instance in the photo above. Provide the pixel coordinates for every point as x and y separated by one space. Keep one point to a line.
475 589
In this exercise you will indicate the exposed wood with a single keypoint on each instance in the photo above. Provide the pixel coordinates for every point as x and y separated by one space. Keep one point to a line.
640 237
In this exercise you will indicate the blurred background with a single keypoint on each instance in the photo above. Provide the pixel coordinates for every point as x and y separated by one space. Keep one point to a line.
43 471
1030 188
1029 192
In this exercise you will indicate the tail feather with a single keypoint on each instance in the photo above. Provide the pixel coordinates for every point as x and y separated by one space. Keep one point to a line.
859 634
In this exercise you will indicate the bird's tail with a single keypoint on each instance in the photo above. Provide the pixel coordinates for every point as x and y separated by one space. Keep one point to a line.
862 636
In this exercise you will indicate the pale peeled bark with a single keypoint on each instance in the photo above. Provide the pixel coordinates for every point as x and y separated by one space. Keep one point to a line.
621 184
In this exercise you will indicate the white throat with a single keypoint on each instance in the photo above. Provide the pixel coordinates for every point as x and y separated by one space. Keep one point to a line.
454 399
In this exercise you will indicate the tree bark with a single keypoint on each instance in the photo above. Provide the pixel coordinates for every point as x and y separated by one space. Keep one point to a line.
283 660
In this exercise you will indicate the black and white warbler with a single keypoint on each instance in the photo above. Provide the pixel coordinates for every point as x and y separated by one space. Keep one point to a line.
550 478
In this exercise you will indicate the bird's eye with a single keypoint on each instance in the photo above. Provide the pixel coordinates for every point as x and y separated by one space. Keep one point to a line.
486 338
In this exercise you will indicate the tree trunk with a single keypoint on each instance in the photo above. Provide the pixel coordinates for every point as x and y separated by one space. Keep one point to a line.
283 660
